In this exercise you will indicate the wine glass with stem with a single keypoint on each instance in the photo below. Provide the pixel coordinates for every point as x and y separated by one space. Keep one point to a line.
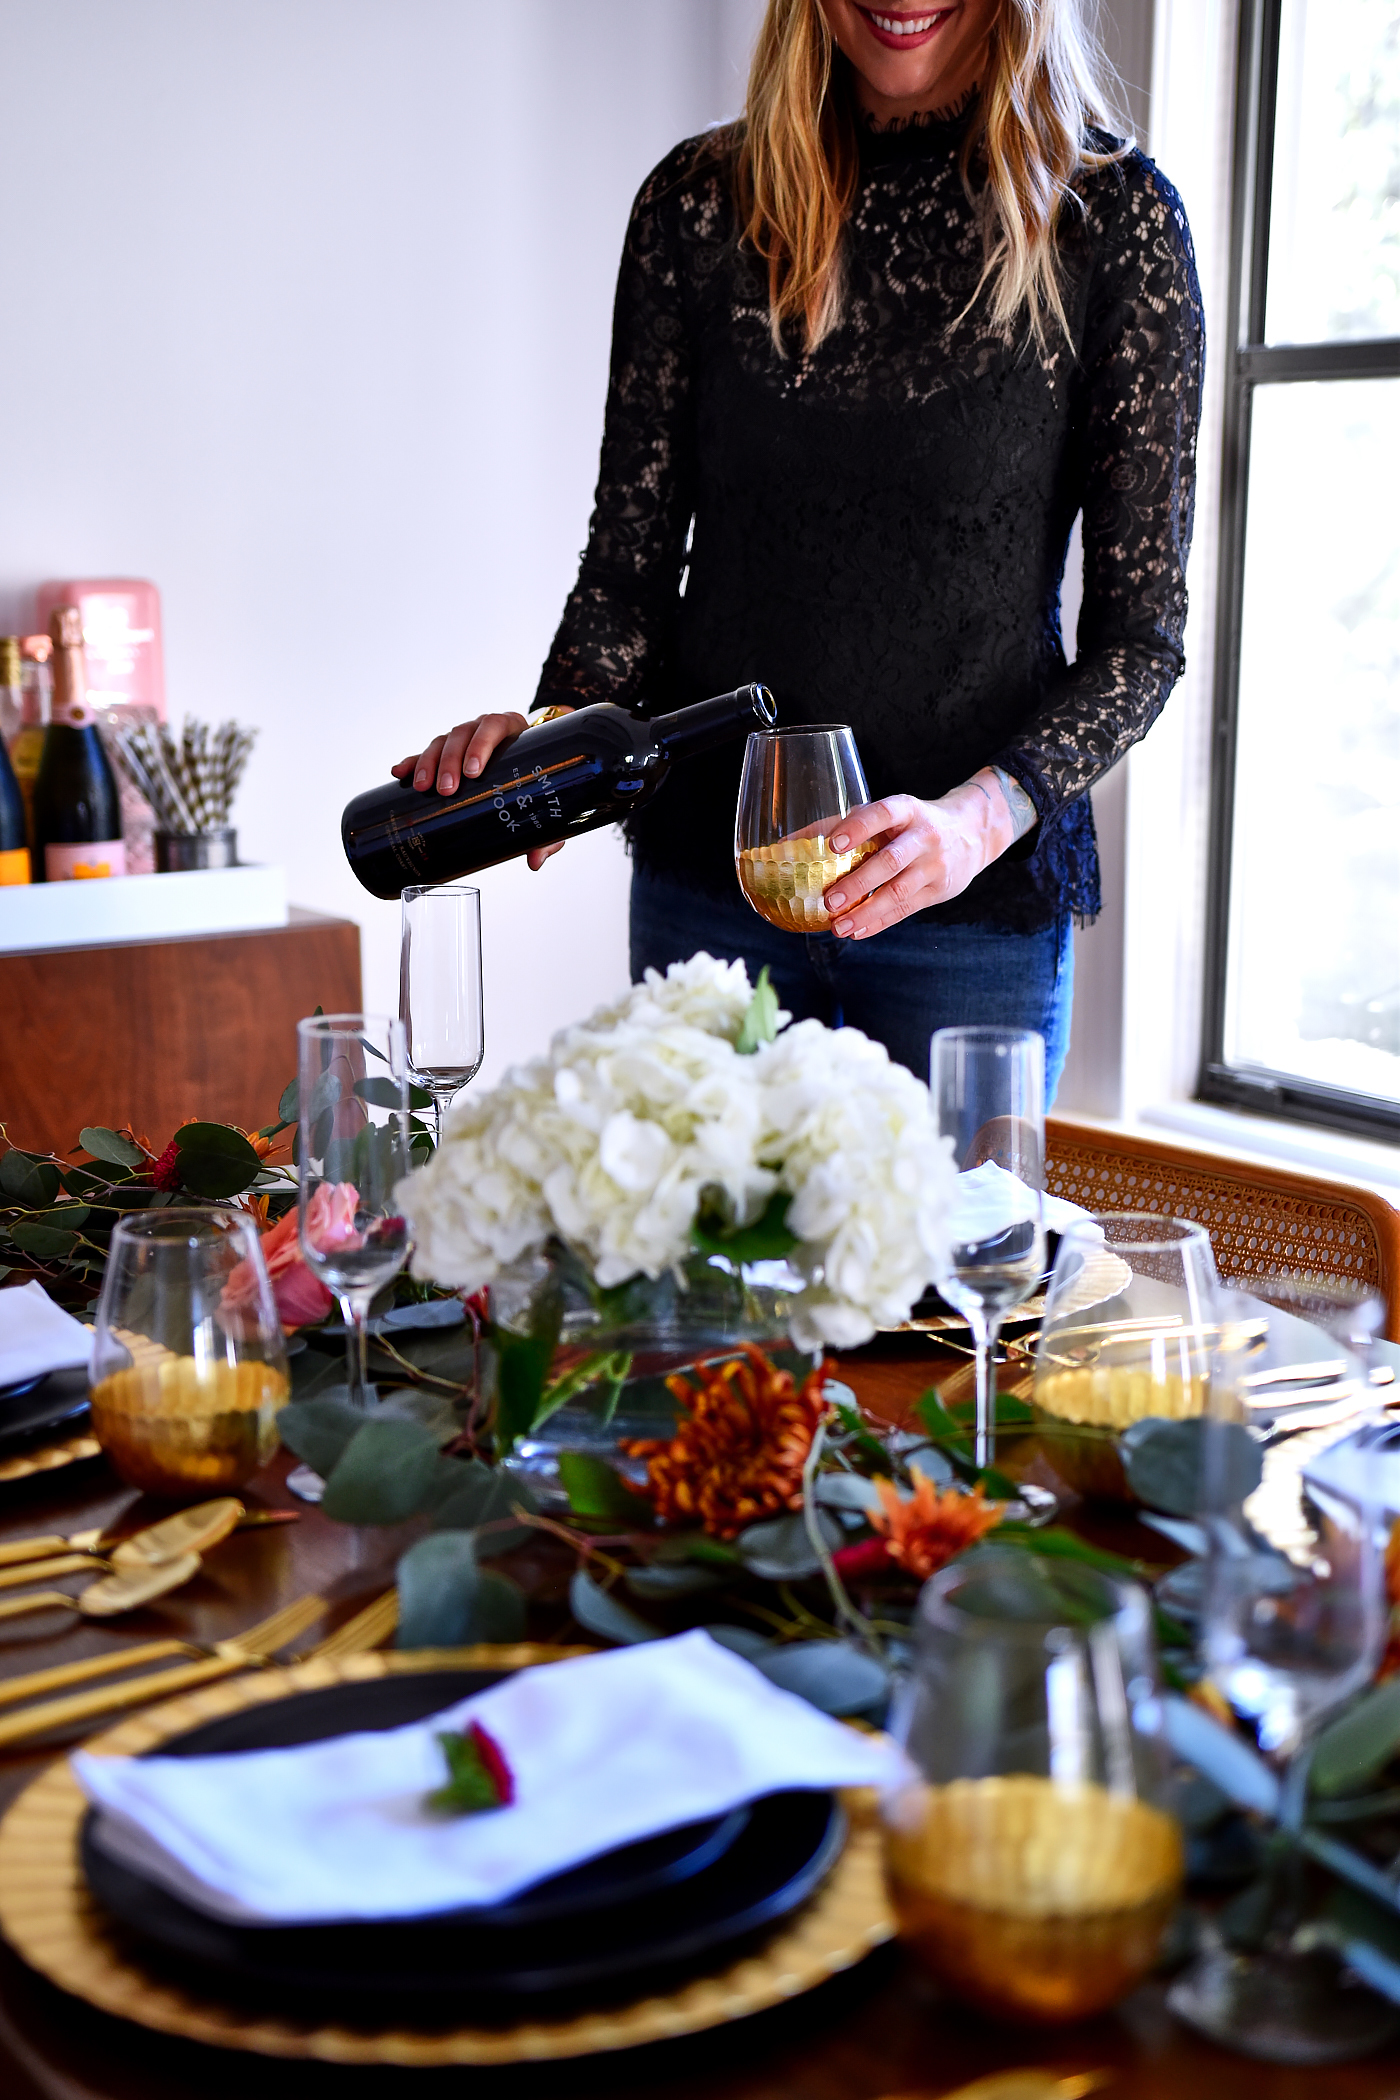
440 992
353 1149
797 785
989 1101
1288 1637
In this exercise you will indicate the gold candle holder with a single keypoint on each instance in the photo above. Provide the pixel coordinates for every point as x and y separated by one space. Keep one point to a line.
785 882
1035 1900
171 1424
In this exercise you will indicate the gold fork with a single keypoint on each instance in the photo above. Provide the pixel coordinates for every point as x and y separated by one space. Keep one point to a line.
250 1650
365 1631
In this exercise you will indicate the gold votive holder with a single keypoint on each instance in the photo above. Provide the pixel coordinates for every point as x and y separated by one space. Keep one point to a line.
189 1370
785 882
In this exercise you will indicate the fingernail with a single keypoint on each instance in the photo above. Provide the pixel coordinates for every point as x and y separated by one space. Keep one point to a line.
473 766
836 900
447 783
842 929
841 841
420 780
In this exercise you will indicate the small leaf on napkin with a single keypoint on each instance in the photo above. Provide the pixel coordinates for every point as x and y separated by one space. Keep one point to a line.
383 1475
479 1777
446 1600
599 1612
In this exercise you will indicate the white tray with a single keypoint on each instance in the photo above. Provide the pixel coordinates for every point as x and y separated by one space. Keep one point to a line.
141 908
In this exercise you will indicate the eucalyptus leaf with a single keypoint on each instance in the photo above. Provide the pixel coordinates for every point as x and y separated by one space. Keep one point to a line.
742 1640
781 1551
599 1612
382 1092
483 1495
1166 1463
846 1491
25 1180
287 1106
934 1464
1221 1755
44 1242
214 1161
596 1489
319 1431
760 1022
662 1581
1356 1746
1367 1936
110 1145
446 1600
831 1675
383 1476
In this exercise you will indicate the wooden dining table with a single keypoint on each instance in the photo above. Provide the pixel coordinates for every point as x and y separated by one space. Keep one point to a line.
881 2029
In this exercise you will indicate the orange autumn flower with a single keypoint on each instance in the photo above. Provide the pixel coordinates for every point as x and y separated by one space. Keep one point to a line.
931 1527
740 1449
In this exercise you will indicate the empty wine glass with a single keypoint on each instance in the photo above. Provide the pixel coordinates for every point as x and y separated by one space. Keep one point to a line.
440 998
352 1151
989 1100
797 785
1288 1638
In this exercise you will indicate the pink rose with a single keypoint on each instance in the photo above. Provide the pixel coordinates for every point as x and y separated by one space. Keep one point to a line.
300 1297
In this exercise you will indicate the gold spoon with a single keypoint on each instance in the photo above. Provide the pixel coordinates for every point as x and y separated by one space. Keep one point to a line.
123 1590
173 1538
95 1543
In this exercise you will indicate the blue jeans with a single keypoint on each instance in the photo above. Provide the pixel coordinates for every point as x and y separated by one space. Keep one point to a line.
897 986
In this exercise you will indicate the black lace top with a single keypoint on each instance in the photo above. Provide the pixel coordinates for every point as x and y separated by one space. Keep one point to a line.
877 530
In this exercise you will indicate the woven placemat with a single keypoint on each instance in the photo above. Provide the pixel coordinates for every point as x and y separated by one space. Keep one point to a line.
51 1920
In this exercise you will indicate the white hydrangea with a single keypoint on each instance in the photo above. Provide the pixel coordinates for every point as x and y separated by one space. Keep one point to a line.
609 1140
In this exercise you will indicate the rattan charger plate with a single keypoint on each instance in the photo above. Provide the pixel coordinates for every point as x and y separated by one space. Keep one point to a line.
1102 1277
53 1923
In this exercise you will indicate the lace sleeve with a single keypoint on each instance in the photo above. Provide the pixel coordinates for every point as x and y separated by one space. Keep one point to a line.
619 614
1141 381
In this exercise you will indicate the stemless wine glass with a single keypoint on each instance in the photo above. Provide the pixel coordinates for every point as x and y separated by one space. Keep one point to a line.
797 785
1131 1329
189 1368
1287 1639
352 1151
440 999
1031 1865
989 1100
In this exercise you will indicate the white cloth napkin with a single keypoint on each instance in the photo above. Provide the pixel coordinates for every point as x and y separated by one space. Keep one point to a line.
987 1200
38 1336
604 1750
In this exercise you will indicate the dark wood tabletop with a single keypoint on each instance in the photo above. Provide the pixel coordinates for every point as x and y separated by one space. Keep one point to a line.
882 2030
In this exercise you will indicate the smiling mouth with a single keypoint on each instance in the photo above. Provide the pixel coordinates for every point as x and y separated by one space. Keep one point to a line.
904 31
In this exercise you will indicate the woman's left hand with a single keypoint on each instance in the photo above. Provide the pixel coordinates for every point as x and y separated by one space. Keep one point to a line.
931 852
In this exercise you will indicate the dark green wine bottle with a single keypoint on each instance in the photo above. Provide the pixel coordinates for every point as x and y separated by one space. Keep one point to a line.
77 808
14 847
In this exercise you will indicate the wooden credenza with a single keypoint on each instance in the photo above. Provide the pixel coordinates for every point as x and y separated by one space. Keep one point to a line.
153 1032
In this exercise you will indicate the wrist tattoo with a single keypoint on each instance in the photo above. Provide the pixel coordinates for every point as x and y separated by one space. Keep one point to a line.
1018 802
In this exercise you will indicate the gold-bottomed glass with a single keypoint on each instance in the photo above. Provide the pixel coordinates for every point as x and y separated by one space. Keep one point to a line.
797 785
189 1368
1031 1864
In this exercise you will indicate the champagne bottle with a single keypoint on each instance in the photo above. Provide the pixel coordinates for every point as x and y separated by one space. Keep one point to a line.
27 747
14 835
554 780
11 692
77 811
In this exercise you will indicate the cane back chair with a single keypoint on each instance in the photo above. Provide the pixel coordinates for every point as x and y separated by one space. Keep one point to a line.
1261 1220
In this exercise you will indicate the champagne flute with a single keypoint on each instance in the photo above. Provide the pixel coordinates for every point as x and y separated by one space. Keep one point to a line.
352 1152
1288 1639
989 1101
797 785
440 996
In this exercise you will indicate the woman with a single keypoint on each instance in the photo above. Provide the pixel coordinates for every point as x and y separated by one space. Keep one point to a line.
875 346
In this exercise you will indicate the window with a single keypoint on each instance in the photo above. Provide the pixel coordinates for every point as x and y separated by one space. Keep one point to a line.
1302 1010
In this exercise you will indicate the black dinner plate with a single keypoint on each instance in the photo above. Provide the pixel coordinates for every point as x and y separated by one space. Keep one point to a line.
648 1909
36 1406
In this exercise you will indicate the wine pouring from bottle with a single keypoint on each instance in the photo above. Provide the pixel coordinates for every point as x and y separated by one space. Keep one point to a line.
556 779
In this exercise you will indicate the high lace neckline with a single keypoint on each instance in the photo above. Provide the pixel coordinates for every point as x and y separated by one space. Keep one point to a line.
928 134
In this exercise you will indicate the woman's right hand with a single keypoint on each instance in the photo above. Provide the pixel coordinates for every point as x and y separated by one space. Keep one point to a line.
460 755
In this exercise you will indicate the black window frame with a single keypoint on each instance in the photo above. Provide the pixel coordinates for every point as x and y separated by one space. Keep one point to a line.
1253 362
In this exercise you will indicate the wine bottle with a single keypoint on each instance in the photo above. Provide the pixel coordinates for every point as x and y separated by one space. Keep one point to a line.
77 811
14 837
27 747
554 780
11 690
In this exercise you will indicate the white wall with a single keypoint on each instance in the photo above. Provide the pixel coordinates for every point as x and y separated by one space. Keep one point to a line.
307 309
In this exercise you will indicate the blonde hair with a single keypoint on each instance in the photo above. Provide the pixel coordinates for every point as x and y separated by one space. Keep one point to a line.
1045 84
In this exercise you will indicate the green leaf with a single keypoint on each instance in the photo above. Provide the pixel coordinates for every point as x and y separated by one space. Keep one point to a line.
29 1181
1221 1755
831 1675
476 1494
319 1431
869 1446
741 1640
471 1786
760 1023
215 1161
606 1367
287 1106
596 1489
522 1368
766 1239
1008 1413
383 1476
45 1242
110 1145
1356 1746
1055 1543
419 1097
446 1600
663 1581
381 1092
1367 1936
1165 1463
599 1612
942 1427
780 1549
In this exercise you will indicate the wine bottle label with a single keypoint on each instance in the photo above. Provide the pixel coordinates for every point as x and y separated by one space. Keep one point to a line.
14 866
84 863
